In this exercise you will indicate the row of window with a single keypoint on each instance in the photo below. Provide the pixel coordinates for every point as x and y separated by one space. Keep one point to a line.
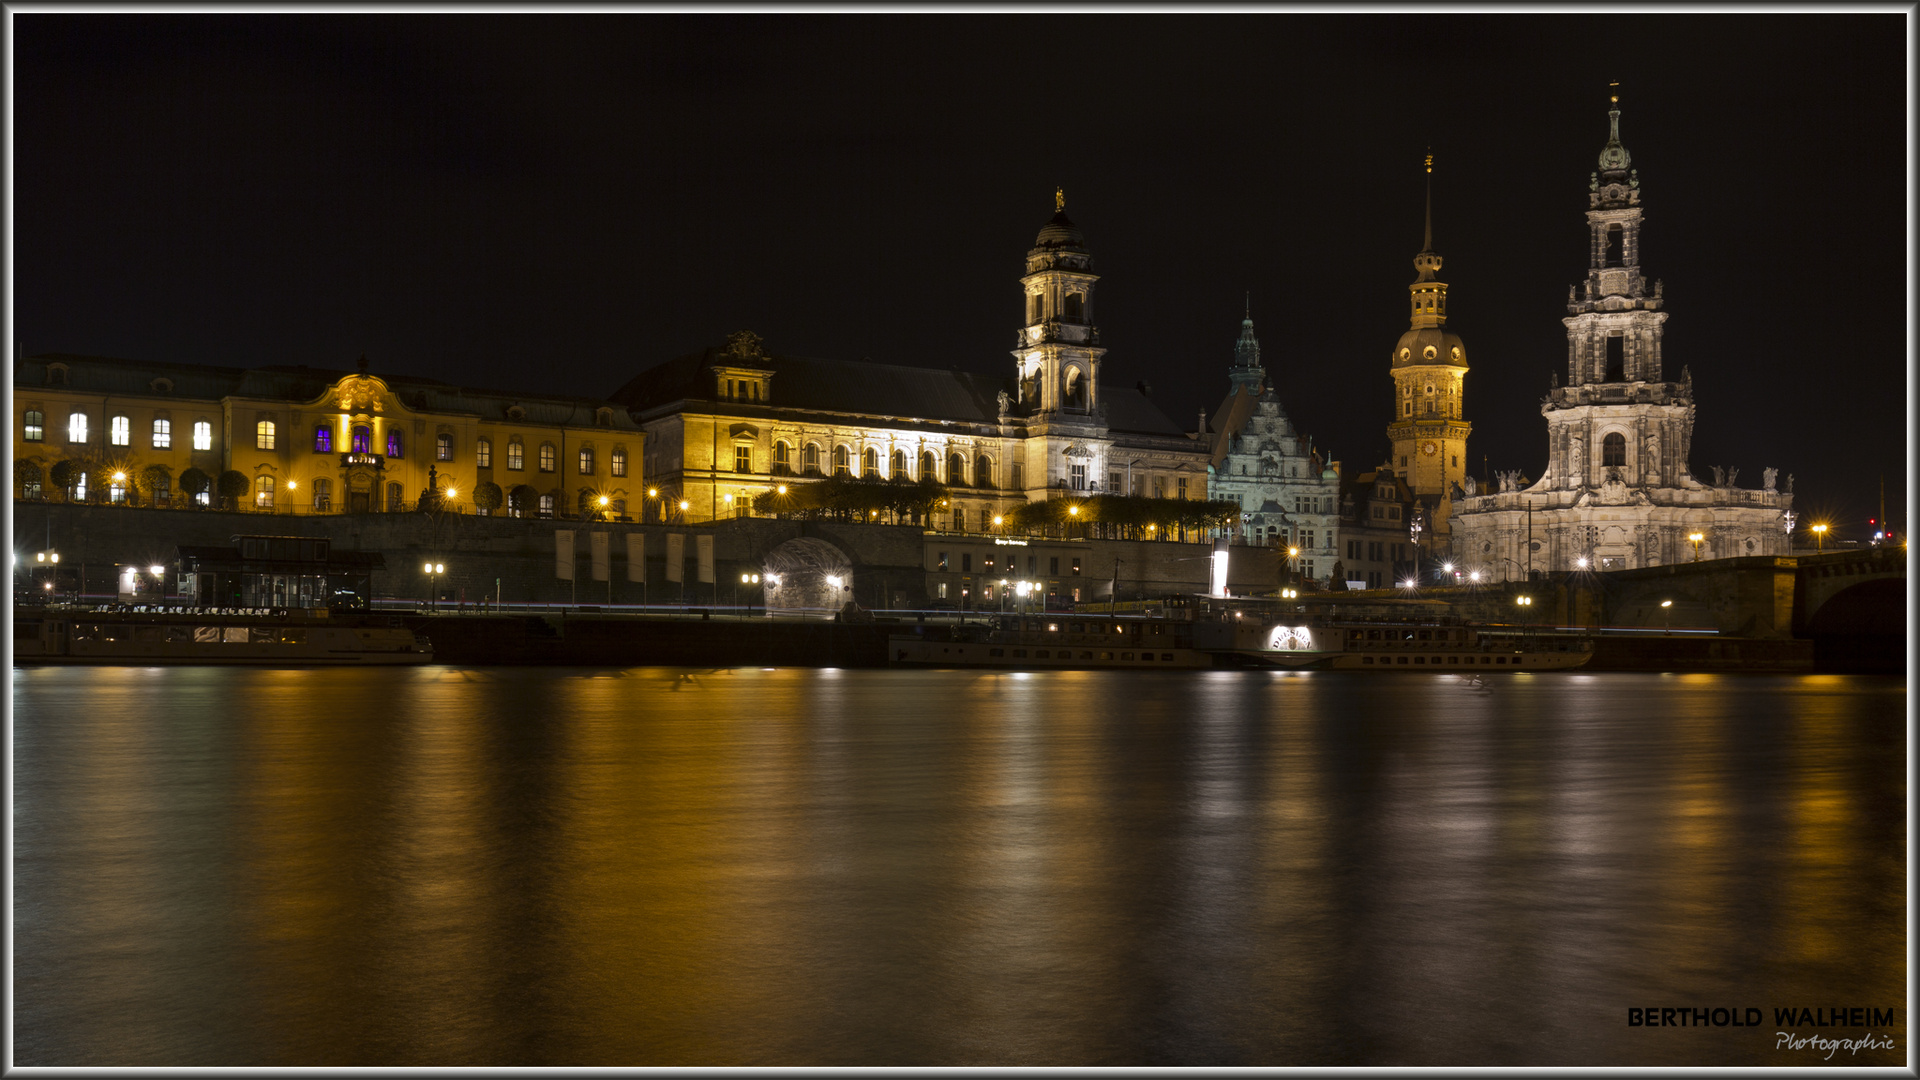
119 430
1007 564
870 464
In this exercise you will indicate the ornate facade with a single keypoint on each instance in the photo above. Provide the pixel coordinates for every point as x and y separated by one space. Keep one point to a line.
1617 492
1429 366
734 422
1287 491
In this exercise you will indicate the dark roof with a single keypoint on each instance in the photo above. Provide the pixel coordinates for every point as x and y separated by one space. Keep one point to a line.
869 389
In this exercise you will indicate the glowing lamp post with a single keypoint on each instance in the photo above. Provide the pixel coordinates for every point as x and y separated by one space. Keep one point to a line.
1820 537
433 571
1666 614
1695 539
1293 564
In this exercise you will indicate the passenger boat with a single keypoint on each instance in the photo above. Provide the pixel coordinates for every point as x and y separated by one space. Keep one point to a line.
1386 644
1053 640
271 636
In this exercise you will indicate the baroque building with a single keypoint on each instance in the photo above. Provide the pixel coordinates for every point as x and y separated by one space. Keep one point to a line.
1617 492
1288 492
311 441
730 423
1429 367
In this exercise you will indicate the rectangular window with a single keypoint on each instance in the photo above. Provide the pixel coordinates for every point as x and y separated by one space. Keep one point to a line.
35 426
1180 487
1019 477
743 459
619 461
1053 565
443 447
323 439
77 428
483 454
394 443
1113 483
586 461
548 457
966 562
263 435
1079 474
943 590
1076 573
940 561
959 520
120 431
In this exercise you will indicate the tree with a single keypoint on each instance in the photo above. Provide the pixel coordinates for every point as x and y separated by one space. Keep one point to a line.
488 496
27 475
155 478
194 482
65 474
233 488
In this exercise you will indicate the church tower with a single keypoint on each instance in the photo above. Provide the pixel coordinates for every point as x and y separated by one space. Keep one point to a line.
1429 367
1058 354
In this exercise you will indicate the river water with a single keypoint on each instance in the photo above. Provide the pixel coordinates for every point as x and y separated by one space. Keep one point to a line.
553 867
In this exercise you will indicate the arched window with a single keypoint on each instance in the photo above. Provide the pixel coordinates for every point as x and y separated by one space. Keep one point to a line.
35 429
1615 242
77 427
516 454
1076 389
394 443
323 495
899 465
956 470
870 462
263 435
120 431
549 458
929 466
618 462
782 458
983 471
202 436
323 438
263 493
1075 304
443 447
586 461
396 498
1613 449
362 439
546 506
483 453
1036 308
810 458
840 457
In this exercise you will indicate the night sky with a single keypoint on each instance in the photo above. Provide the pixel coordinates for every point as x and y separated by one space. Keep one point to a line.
555 203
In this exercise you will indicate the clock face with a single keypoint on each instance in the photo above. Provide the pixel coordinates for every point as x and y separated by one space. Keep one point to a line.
1429 448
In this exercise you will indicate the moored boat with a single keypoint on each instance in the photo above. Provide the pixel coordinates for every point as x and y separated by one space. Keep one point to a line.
260 636
1053 640
1386 644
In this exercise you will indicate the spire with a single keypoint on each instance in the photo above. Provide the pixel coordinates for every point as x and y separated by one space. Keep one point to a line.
1059 200
1614 157
1427 243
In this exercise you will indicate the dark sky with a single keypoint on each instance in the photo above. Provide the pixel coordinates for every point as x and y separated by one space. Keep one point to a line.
555 203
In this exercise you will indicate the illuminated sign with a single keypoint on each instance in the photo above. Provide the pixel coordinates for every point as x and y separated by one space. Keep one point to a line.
1010 543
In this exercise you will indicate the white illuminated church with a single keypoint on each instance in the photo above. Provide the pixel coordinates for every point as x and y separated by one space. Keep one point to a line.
1617 492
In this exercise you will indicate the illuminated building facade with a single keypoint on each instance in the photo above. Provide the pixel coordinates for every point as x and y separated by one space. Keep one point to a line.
735 422
1617 492
311 441
1288 493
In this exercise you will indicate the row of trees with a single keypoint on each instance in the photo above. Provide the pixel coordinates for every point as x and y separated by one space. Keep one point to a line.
844 498
1123 517
97 477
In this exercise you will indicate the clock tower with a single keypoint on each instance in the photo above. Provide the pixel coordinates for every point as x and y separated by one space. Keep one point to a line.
1429 367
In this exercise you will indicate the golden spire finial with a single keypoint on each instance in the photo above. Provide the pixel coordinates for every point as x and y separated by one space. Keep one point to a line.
1429 159
1059 200
1613 92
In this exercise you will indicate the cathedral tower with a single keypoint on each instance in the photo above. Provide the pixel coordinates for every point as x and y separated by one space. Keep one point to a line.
1429 374
1058 354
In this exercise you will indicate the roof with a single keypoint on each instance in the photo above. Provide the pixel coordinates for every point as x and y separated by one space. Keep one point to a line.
1228 420
868 388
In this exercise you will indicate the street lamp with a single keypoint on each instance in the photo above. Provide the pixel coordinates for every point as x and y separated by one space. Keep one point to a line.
433 570
1293 563
1820 537
1666 613
1695 538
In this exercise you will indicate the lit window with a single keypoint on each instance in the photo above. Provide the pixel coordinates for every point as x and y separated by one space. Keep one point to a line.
322 494
586 461
263 493
956 470
929 469
394 443
618 461
810 459
1079 476
840 461
162 434
443 447
323 439
35 426
546 506
77 427
396 498
548 457
900 464
516 455
782 460
869 462
742 460
483 453
983 472
161 486
120 431
263 435
363 440
117 491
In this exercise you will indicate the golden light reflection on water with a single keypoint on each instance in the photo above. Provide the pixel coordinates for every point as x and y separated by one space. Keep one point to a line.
522 866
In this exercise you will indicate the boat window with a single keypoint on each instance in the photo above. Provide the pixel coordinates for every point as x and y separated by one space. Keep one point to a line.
1403 659
234 634
293 635
1129 656
179 634
149 633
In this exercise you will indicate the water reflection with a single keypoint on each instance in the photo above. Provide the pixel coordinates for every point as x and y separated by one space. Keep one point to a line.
755 867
